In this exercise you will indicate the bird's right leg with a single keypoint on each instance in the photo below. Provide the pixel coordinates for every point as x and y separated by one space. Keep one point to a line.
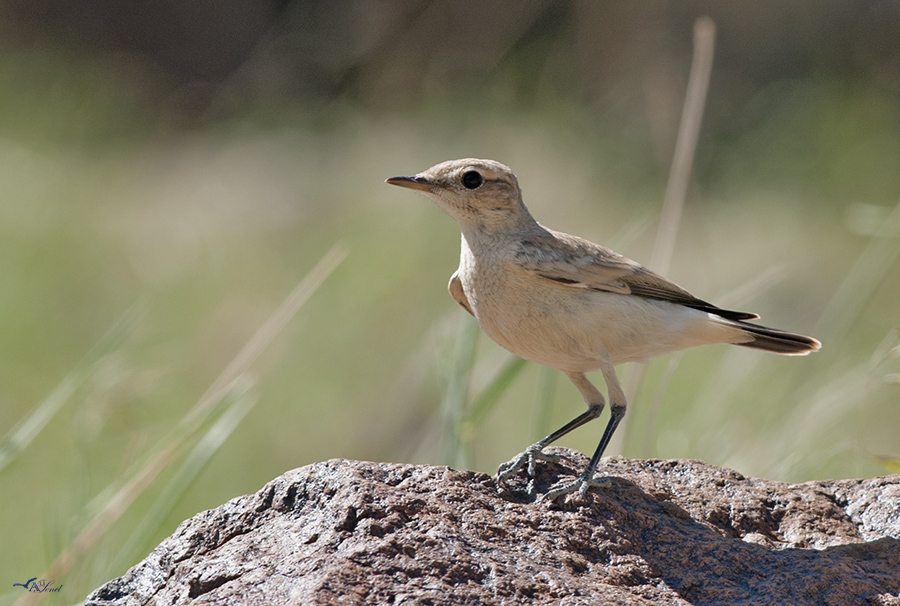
617 411
595 402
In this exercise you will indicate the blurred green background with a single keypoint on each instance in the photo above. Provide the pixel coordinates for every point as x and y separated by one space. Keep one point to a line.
171 171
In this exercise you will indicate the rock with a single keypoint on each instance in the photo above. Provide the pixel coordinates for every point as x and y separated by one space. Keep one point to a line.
665 532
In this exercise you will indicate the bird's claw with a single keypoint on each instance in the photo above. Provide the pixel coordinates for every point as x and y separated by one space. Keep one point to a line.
581 485
528 460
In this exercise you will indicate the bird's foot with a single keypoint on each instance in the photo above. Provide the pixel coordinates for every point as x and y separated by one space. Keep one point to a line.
581 485
528 460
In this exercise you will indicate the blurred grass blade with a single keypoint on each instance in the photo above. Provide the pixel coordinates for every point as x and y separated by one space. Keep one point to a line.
735 298
106 508
632 230
29 427
99 524
685 145
542 403
26 430
269 330
662 386
743 294
465 428
891 464
242 400
458 373
679 175
861 281
205 406
491 394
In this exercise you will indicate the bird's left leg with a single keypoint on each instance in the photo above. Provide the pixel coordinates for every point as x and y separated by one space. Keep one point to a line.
535 452
617 411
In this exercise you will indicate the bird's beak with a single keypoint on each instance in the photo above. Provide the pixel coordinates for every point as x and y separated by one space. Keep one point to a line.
419 183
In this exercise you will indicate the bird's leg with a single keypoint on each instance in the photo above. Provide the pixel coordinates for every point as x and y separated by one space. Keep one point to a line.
617 411
534 453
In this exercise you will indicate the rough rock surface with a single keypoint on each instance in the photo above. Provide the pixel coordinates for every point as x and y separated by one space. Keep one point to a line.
665 532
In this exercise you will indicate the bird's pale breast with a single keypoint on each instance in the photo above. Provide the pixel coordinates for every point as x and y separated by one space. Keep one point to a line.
574 329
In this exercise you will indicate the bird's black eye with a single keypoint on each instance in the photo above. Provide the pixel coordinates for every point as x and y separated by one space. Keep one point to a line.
472 179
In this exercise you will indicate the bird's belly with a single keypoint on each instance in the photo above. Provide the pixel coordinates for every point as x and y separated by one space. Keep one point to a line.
575 330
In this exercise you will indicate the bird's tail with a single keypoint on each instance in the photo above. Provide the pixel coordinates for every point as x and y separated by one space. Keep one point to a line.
778 341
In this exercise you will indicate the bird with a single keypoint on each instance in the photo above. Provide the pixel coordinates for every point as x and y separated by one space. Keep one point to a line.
570 304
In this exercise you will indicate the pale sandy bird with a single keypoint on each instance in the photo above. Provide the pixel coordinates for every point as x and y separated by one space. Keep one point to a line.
567 303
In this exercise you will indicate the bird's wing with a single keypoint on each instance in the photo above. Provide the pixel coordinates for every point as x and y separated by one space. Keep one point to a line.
457 292
579 263
575 262
645 283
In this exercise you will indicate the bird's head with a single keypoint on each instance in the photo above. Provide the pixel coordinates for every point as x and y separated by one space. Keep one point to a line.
479 194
